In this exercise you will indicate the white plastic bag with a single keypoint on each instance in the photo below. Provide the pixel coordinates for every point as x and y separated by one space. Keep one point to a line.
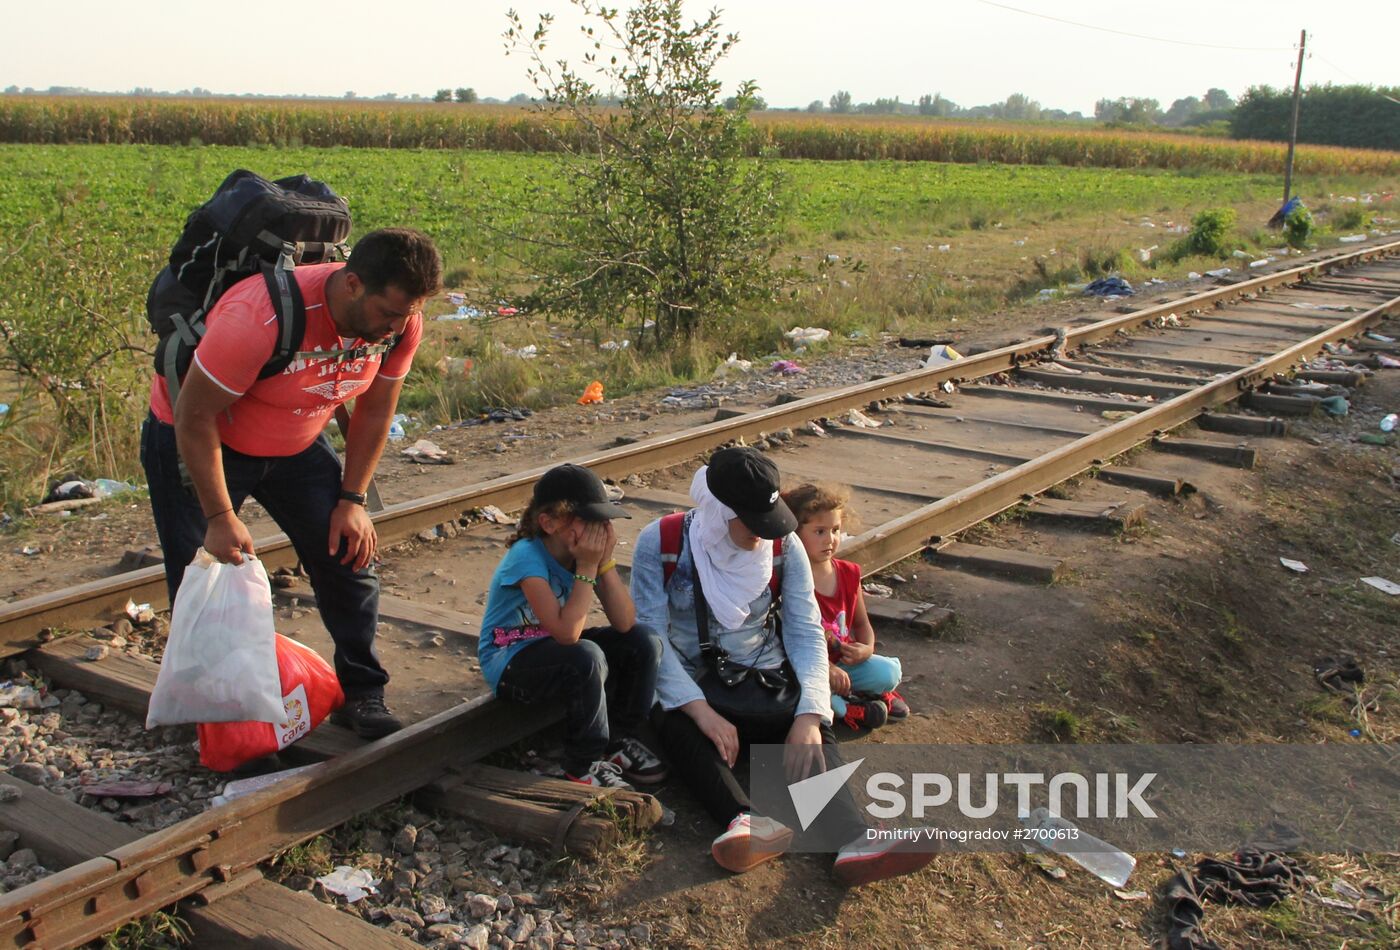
220 662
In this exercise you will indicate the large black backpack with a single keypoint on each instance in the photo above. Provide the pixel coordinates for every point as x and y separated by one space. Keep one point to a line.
250 225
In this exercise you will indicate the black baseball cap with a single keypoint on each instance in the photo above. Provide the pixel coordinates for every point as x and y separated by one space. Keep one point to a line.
746 481
580 487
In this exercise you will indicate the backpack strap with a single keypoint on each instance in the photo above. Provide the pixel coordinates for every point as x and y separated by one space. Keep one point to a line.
671 527
285 294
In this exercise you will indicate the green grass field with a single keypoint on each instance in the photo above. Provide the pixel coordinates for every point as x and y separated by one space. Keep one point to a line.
86 227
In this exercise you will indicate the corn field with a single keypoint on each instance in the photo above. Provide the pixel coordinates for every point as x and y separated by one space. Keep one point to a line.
328 123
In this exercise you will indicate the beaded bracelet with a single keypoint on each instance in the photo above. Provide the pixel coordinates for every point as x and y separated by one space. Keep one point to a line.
586 579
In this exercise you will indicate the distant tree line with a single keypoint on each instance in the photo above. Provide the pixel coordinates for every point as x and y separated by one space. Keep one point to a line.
1357 116
1017 107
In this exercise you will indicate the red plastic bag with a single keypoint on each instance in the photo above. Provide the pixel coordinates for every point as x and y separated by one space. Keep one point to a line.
310 693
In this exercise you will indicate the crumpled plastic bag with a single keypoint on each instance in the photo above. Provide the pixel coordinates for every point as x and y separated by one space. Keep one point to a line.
592 393
940 354
731 365
804 335
353 884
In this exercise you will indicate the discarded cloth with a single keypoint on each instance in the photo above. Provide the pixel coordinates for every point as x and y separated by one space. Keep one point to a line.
1336 672
1254 878
1114 286
592 393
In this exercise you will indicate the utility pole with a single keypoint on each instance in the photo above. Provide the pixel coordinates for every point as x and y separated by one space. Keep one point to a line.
1293 133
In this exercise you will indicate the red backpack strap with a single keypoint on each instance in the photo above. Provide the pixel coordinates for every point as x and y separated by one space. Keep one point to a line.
671 527
775 581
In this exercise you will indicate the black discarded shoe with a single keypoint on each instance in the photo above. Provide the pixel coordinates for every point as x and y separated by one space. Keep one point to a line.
368 716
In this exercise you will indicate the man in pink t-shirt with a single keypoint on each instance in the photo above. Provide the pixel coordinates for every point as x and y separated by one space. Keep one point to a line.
240 436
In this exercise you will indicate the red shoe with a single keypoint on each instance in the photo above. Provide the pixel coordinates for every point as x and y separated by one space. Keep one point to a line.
865 714
898 708
749 841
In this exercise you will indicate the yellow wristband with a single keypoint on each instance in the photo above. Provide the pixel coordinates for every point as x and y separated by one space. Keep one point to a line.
611 563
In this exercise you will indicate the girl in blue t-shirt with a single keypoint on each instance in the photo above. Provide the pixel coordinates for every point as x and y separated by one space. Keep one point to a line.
534 646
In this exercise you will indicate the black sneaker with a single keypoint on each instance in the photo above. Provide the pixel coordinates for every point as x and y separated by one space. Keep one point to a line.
368 716
638 763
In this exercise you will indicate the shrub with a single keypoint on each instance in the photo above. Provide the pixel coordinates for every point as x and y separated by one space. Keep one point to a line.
1298 227
1208 235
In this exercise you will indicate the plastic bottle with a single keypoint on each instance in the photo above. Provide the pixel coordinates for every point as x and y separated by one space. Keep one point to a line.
1107 863
107 487
1389 423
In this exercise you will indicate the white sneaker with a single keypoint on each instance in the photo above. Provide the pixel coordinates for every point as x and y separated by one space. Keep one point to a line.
749 841
602 774
863 861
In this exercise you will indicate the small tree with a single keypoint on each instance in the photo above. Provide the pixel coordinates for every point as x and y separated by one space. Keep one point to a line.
841 101
442 95
815 106
465 94
664 215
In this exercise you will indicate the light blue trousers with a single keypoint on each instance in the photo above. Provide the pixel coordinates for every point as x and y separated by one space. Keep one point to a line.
877 675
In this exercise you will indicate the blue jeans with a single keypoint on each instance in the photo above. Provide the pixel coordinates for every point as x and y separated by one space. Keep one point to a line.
877 675
300 492
581 674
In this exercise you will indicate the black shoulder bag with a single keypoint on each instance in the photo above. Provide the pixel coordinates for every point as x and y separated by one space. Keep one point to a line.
766 698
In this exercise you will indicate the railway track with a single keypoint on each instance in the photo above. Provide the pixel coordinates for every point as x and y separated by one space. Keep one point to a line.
928 454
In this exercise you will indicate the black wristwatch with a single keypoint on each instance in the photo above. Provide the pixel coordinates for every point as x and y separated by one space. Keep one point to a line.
357 497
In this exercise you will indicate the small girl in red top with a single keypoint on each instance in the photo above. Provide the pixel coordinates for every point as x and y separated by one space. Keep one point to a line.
862 684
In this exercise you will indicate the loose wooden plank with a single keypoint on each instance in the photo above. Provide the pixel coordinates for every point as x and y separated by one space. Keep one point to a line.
924 618
1166 485
125 682
1096 515
263 915
1238 455
1019 565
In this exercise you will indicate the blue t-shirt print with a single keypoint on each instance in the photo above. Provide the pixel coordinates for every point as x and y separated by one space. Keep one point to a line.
509 624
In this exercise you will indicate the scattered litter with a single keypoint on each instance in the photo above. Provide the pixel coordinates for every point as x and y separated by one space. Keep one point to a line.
1367 438
1130 895
1338 307
592 393
731 365
1389 422
456 299
1144 254
353 884
1354 733
941 355
1218 272
69 490
1178 853
525 352
1261 262
1243 255
947 386
816 430
1170 320
455 366
1117 415
10 793
1109 287
126 789
1192 275
1297 567
1045 293
805 335
1109 864
1059 367
613 346
1042 863
1387 362
396 429
833 258
1352 239
945 247
1335 406
1254 878
246 786
1378 337
139 613
860 420
4 408
1347 890
506 311
463 312
29 550
1338 673
19 696
1382 585
786 367
427 453
496 516
97 652
877 590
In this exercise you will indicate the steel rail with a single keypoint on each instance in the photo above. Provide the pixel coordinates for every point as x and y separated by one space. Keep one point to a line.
87 900
927 526
89 603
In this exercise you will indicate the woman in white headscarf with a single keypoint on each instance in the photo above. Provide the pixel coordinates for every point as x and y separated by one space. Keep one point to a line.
737 549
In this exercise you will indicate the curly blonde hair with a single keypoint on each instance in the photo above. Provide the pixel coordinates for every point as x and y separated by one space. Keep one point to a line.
529 524
812 498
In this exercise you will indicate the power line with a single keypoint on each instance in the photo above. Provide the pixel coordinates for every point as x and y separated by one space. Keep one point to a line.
1140 36
1353 78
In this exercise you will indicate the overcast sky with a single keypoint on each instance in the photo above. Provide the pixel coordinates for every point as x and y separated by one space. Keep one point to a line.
972 51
